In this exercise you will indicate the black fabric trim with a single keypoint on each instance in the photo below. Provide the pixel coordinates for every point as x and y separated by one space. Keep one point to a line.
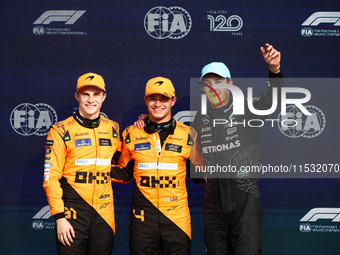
86 122
59 216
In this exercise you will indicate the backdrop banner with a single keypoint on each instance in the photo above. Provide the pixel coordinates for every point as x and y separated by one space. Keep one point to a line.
46 45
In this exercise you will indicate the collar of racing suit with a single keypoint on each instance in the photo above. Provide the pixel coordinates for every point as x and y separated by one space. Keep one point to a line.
86 122
152 127
163 129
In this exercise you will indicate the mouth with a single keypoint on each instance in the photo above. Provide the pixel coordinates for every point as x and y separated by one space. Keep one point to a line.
90 106
157 110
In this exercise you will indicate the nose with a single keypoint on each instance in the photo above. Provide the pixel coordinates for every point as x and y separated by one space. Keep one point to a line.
90 99
158 102
210 88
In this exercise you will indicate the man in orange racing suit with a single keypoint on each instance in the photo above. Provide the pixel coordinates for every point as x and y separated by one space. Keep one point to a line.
77 173
160 218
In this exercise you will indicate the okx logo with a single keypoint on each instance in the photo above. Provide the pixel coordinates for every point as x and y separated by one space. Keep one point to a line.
161 22
28 119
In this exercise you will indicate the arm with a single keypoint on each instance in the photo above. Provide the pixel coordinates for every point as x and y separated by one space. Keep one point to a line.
65 231
275 78
196 158
124 171
54 165
272 58
122 174
189 166
140 122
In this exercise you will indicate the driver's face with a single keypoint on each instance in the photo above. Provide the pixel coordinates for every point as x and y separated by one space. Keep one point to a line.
220 95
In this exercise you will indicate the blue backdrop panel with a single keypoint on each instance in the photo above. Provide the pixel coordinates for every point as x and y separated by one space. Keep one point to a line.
46 45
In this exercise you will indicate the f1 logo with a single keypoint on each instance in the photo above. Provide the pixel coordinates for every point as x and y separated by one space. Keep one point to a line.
70 17
323 17
321 214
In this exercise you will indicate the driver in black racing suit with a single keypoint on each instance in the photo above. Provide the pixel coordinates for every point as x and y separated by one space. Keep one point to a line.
232 202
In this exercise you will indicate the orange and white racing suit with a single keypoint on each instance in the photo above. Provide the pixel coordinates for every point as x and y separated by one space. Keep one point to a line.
77 180
160 218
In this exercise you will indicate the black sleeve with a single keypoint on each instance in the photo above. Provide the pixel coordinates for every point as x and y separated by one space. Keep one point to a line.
116 156
189 165
124 174
266 100
59 216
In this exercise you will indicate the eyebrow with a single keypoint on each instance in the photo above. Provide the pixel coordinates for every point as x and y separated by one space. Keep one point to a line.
154 97
215 79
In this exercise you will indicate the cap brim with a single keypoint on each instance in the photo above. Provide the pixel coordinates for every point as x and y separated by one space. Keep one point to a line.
90 85
213 73
157 93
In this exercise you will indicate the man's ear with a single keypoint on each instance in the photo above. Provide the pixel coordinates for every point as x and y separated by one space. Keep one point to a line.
104 95
173 101
76 96
230 82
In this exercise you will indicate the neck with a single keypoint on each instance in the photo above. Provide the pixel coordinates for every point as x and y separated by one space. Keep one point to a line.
88 116
85 122
158 121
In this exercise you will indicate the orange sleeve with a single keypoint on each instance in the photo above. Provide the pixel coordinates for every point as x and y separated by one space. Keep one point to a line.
195 152
55 155
123 173
125 157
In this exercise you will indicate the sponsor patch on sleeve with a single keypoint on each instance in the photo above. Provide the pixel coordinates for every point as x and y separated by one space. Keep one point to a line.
48 150
49 142
47 165
142 146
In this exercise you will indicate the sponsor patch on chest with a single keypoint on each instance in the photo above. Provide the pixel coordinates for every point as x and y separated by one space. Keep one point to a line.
142 146
104 142
83 142
173 147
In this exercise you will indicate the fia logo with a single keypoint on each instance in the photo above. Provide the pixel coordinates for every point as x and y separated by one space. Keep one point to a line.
28 119
161 22
305 228
38 225
307 32
296 124
38 30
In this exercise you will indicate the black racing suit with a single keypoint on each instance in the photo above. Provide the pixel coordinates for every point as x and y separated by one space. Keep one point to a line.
232 202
